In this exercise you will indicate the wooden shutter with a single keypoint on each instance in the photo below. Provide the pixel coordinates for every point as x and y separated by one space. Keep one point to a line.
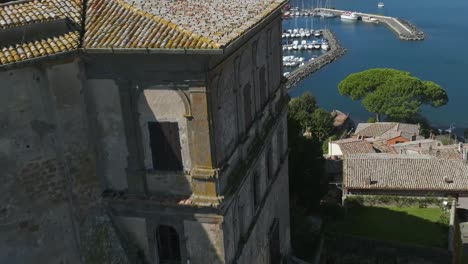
165 145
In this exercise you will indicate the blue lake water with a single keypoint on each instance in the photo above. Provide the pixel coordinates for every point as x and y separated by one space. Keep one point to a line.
442 57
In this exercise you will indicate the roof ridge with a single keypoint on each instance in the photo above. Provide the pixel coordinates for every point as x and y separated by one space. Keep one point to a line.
168 23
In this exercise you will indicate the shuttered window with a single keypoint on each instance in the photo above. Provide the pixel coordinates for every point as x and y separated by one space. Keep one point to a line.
165 146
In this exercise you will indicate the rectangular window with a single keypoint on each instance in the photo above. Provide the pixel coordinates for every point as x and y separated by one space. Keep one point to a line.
274 240
269 163
247 106
165 146
263 86
256 189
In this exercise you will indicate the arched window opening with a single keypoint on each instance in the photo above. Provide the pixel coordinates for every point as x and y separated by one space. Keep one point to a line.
168 245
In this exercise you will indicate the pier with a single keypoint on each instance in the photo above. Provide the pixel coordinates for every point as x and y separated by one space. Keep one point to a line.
336 51
404 29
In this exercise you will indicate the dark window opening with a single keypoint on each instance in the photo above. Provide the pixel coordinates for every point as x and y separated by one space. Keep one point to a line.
247 106
263 86
274 238
165 146
269 163
256 189
168 245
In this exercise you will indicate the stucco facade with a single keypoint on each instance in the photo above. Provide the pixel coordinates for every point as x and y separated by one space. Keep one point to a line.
79 177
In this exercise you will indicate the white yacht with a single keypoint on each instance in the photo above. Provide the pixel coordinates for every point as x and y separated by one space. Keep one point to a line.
317 33
380 5
349 16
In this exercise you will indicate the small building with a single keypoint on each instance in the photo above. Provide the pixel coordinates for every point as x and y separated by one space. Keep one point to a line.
392 132
404 175
349 146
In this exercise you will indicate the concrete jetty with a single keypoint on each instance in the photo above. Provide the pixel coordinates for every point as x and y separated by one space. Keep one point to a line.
404 29
336 51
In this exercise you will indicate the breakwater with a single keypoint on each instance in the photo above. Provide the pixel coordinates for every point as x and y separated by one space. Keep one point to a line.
404 29
336 51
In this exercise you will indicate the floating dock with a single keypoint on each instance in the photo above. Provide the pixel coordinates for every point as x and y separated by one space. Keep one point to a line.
336 51
404 29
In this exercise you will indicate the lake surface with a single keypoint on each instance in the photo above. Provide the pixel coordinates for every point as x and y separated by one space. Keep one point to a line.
442 57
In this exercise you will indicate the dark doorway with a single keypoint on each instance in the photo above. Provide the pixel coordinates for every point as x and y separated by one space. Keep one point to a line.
165 146
168 245
274 237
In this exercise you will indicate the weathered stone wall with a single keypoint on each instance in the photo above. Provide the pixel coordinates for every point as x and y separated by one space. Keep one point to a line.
246 227
252 73
49 185
52 210
108 131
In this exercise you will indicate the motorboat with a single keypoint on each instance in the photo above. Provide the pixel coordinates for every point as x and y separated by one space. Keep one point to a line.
380 5
325 45
327 15
349 16
317 33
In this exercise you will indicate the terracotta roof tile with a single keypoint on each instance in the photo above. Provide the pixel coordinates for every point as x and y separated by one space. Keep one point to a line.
117 24
404 172
39 48
354 146
23 13
386 130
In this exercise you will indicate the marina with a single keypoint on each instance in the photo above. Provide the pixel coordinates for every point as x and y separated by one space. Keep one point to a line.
404 29
336 50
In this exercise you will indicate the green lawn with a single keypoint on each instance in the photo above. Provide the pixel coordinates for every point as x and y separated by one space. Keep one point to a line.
411 225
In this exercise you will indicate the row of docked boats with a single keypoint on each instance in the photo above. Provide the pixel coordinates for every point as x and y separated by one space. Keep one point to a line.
301 33
292 61
306 45
307 12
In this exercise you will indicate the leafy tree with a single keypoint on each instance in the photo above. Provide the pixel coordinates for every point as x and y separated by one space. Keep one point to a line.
391 92
320 124
305 112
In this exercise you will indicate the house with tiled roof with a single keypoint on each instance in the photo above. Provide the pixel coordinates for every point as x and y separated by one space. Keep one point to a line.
159 123
404 175
390 131
349 146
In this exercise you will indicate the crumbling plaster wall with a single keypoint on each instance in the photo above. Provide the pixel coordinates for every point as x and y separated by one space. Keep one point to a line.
49 186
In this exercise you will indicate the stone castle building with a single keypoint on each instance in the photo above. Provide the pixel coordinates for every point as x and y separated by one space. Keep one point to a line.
142 131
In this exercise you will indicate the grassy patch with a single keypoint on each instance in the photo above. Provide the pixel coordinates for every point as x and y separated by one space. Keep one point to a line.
411 225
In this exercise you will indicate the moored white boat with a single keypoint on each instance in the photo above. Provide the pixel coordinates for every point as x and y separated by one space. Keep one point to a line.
380 4
349 16
325 45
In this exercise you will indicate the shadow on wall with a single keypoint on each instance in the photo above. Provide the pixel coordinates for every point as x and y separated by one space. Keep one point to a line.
171 230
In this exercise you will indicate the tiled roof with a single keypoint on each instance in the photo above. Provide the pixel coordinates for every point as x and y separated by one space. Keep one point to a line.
117 24
39 48
54 30
70 8
415 146
19 14
387 130
404 172
355 146
443 152
218 20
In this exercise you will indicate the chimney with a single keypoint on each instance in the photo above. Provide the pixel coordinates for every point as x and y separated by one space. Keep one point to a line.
465 155
447 179
460 147
419 144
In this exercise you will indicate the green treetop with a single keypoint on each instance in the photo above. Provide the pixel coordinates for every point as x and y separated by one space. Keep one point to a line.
396 94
